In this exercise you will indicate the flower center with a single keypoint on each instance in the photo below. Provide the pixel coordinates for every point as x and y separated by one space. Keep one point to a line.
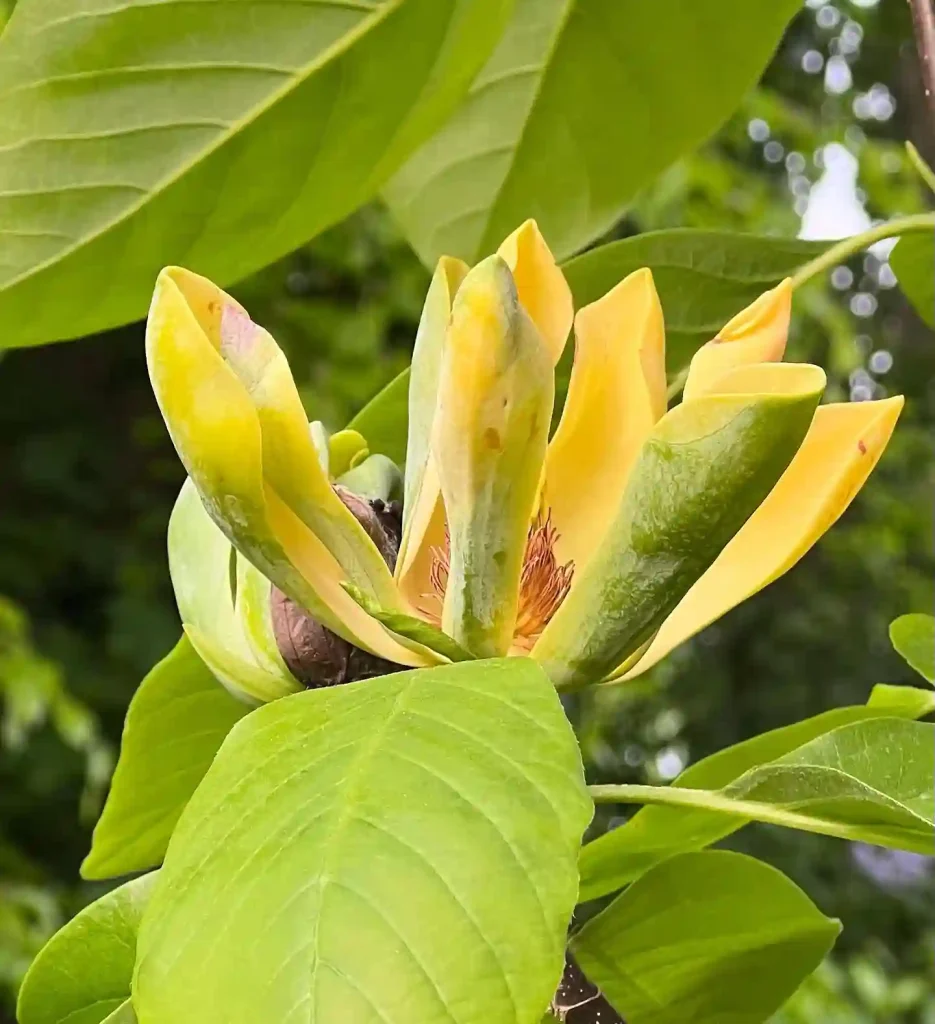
542 588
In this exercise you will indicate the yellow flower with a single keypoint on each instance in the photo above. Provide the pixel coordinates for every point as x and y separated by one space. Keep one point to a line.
594 551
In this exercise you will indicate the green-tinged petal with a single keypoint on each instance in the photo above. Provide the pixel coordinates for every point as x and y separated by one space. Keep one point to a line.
838 454
204 350
216 430
616 395
495 399
219 606
422 493
756 334
411 630
706 467
375 477
540 284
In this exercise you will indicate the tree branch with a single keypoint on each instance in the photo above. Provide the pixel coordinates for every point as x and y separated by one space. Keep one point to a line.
923 18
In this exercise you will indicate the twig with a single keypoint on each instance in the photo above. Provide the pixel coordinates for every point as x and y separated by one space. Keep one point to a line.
923 17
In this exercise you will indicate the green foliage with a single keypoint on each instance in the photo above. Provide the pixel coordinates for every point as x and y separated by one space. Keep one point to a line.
83 548
914 637
84 972
463 783
658 832
703 277
913 263
539 135
681 944
130 143
175 724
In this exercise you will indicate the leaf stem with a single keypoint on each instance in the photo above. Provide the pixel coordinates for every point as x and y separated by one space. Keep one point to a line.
921 167
856 243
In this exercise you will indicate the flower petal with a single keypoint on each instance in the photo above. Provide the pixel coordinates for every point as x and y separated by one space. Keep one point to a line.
616 394
705 468
541 285
495 396
757 334
843 445
422 493
216 430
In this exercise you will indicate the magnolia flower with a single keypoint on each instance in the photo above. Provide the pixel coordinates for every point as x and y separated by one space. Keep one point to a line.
594 551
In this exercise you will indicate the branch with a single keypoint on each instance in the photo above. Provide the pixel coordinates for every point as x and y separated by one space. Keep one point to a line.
923 18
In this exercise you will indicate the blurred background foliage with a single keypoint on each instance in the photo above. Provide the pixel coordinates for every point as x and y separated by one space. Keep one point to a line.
89 476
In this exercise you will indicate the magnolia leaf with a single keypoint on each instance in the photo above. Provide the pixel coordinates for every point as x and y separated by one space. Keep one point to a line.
704 278
122 1015
580 106
913 263
397 850
656 833
914 637
705 938
138 135
82 975
383 421
176 722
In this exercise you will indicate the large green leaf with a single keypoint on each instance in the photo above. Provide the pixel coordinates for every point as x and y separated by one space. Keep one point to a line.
913 263
654 834
580 106
397 850
705 938
216 134
871 782
914 637
83 972
703 277
176 722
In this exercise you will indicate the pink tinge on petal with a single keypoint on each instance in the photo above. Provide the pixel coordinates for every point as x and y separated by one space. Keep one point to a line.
238 331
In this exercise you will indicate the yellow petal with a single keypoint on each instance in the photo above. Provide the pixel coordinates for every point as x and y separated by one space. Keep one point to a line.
706 468
616 394
541 285
216 430
343 448
840 450
495 395
290 463
422 494
755 335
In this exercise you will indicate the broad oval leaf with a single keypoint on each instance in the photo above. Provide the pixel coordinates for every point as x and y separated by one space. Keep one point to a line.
82 974
176 723
913 263
580 106
398 850
705 937
656 833
704 278
914 637
218 134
